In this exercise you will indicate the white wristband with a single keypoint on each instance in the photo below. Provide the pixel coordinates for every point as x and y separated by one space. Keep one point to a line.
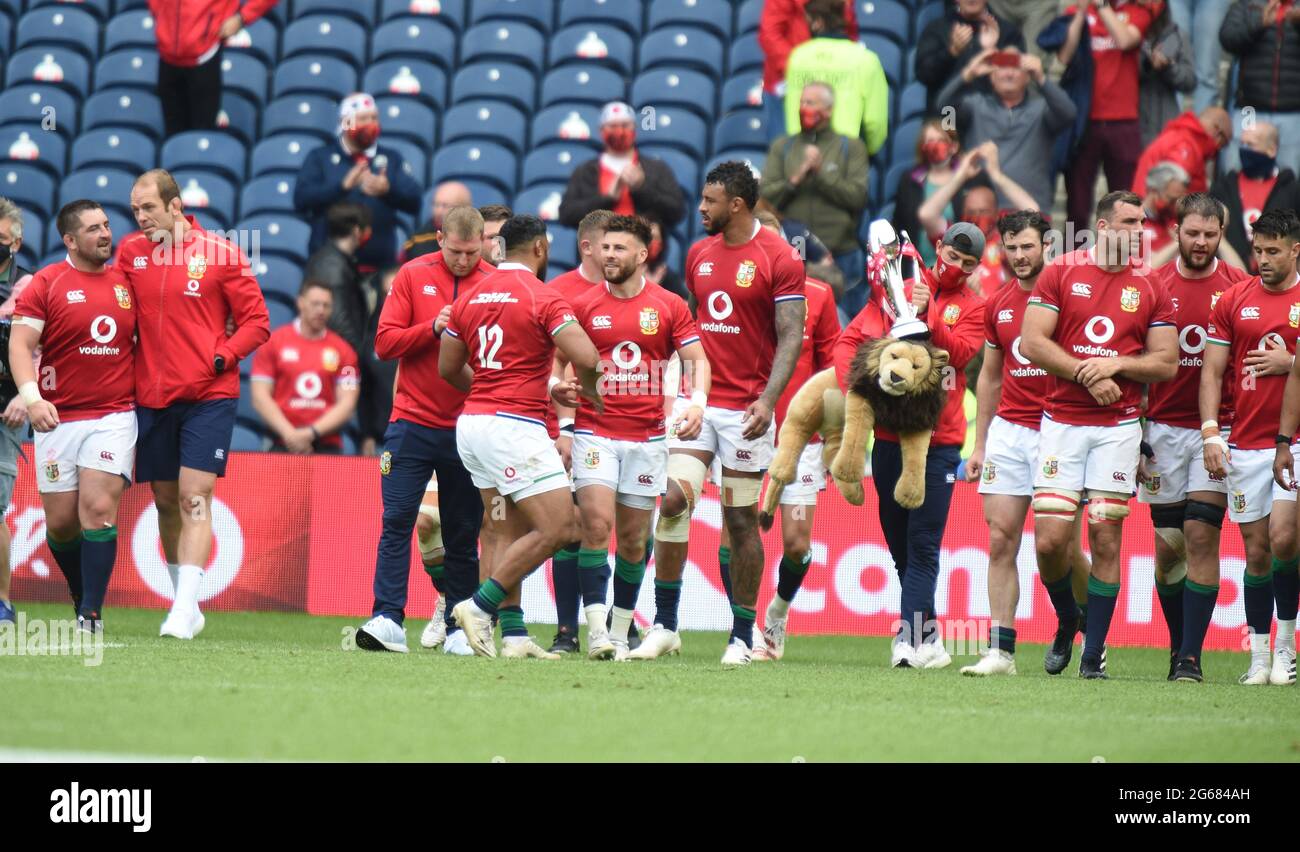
1209 424
1218 441
566 421
700 399
30 393
551 383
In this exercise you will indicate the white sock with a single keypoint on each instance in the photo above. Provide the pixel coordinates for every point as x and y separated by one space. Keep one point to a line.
778 608
1286 634
595 618
1259 645
187 588
622 621
172 571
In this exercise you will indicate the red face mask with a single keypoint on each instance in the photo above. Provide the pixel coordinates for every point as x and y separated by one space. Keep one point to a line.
936 152
986 222
618 139
949 277
810 117
364 136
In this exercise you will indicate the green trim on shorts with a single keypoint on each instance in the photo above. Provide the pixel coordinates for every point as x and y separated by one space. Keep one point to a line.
549 476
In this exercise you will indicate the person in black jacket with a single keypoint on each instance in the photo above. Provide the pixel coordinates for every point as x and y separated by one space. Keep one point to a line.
948 44
1260 184
335 266
1266 42
620 179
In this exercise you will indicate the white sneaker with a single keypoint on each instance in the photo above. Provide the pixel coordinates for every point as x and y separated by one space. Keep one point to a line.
381 633
771 642
178 625
620 650
933 655
736 655
994 662
523 648
477 626
904 656
197 622
1283 673
457 645
435 632
1257 674
599 645
658 641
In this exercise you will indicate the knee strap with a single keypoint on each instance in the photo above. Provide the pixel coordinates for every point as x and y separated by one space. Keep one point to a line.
741 491
1206 513
1059 503
431 546
1107 507
1168 522
688 472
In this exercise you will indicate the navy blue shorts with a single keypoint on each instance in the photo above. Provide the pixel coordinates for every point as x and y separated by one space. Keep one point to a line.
184 434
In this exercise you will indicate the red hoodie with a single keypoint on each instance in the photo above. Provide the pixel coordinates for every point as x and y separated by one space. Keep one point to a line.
956 321
187 30
782 28
1183 141
184 298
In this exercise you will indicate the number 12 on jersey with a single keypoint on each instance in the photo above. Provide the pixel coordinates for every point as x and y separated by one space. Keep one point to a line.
489 344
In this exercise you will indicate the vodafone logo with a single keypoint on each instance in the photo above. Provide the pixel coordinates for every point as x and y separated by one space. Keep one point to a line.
308 386
1100 329
720 306
1272 337
627 355
227 553
1015 351
1192 339
103 329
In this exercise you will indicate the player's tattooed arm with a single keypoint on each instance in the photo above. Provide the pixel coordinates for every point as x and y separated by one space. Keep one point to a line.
790 317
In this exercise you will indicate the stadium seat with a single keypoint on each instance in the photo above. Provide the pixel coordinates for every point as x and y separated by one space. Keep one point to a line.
687 47
238 117
6 29
426 39
207 194
260 38
711 15
507 41
482 161
885 212
34 104
361 11
748 17
409 119
752 157
101 9
677 128
891 57
594 43
911 101
624 14
279 312
542 201
54 66
924 16
683 166
28 185
742 129
122 107
130 29
278 234
205 149
407 77
111 147
120 222
675 87
51 240
302 114
132 68
28 143
277 275
564 245
888 189
65 26
592 84
415 155
244 73
480 191
325 34
553 269
553 163
245 439
502 81
314 74
283 153
107 186
902 142
489 120
745 55
450 12
887 17
576 123
744 91
536 13
270 194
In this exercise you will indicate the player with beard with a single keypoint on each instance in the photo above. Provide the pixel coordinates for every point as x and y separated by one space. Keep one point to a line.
1276 254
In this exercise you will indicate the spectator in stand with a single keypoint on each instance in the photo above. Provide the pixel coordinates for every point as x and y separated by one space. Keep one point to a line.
494 216
657 269
305 380
1165 183
857 80
1022 122
1199 21
1264 35
13 279
620 179
1189 141
1031 17
781 28
334 266
949 43
1165 70
937 150
1260 184
819 177
979 172
358 169
1113 138
449 194
189 36
380 377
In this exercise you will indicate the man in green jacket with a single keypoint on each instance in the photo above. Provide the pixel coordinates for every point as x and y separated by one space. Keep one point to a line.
819 177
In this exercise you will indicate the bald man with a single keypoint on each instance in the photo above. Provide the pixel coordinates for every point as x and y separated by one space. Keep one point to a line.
448 194
1188 141
1261 183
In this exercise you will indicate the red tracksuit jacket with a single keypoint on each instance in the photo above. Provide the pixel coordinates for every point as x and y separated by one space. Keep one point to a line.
187 29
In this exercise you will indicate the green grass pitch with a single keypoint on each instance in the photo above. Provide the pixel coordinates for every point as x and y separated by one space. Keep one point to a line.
258 686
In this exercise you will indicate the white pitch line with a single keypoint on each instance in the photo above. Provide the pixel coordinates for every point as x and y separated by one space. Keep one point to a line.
23 755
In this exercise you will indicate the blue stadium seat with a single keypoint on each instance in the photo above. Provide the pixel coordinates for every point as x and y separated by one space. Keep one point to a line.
482 161
207 195
542 201
575 123
683 166
260 38
427 39
408 77
409 119
112 147
123 107
130 68
283 153
741 92
887 17
594 43
53 257
677 87
416 156
592 84
688 47
279 312
302 114
243 72
886 212
891 57
28 143
279 234
924 16
536 13
205 149
503 81
450 12
902 142
742 129
888 189
748 17
506 41
361 11
277 275
28 185
270 194
481 191
54 66
6 29
564 245
107 186
62 25
325 34
101 9
238 117
676 128
34 104
753 157
121 224
553 163
745 55
911 101
314 74
625 14
488 120
51 240
553 269
711 15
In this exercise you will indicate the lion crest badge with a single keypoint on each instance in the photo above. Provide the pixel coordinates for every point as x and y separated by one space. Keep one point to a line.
649 321
1294 316
1153 484
52 471
329 359
1051 467
123 297
950 314
197 266
1238 502
1129 299
745 273
593 459
386 463
990 472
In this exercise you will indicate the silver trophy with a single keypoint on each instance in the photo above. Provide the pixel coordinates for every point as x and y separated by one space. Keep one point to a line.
883 240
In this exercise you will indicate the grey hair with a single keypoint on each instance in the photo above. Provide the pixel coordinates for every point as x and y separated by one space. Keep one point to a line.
825 87
1163 172
12 212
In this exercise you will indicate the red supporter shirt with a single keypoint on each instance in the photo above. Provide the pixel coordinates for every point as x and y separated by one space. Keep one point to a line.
737 289
1177 402
1024 384
1099 315
1115 72
306 373
88 340
1243 319
1160 232
184 297
956 321
422 288
508 323
636 337
821 329
1254 197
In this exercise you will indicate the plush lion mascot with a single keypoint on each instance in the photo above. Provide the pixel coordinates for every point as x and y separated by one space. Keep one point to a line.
894 384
